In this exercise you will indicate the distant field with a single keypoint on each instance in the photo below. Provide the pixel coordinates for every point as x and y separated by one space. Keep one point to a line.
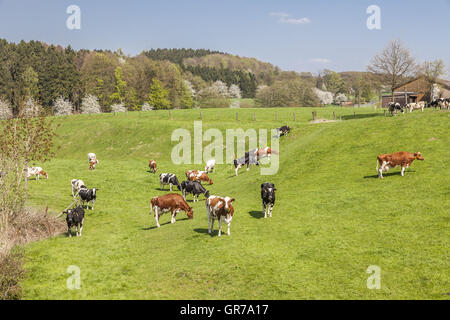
332 220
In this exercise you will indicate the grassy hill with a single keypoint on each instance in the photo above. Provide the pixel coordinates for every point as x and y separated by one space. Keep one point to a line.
332 220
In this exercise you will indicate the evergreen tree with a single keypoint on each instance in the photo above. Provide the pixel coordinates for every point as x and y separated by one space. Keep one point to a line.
159 95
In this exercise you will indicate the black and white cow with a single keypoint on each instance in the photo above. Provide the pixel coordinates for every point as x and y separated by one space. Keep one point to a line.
75 218
77 185
283 131
268 198
249 159
88 196
169 179
394 107
195 188
434 103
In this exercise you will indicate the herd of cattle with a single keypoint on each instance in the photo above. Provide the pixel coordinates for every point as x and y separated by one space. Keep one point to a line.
395 107
217 207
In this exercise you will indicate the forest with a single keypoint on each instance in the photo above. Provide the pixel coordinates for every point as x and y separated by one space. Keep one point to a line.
105 81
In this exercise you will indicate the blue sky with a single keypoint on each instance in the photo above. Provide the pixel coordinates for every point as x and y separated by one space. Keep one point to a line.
301 35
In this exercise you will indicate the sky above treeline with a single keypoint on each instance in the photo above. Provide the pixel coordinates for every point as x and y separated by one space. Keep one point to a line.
300 35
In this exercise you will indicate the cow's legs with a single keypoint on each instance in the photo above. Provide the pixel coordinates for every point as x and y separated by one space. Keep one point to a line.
228 231
220 227
69 232
212 226
270 210
173 217
403 171
81 226
264 210
157 216
171 187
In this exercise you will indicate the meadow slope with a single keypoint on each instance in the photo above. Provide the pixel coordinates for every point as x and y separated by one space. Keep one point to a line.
332 220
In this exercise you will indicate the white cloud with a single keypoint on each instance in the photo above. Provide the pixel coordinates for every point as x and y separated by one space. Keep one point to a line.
320 60
284 17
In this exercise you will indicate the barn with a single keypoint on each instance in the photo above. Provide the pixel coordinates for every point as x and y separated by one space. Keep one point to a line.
415 90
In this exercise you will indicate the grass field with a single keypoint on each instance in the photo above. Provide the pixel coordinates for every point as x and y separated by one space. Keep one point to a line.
332 220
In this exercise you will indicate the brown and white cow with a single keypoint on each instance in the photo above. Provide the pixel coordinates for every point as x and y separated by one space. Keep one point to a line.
37 172
202 177
264 152
221 209
152 166
393 160
92 165
172 203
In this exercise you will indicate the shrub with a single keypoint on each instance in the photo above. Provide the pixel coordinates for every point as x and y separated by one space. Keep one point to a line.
118 108
62 107
90 105
5 110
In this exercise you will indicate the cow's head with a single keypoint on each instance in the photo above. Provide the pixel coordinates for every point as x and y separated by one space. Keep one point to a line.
418 156
207 194
43 173
190 213
268 190
229 210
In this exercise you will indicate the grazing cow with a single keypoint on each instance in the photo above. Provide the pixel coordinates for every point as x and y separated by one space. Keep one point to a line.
393 160
75 218
170 179
88 196
170 202
92 165
283 131
249 159
434 104
152 166
264 152
92 157
394 107
210 166
443 103
36 171
220 209
77 185
268 198
193 187
202 176
193 173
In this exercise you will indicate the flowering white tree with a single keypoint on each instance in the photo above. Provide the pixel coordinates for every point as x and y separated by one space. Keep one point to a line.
118 108
5 110
221 88
90 104
340 98
190 87
147 107
30 109
235 105
62 107
235 91
325 97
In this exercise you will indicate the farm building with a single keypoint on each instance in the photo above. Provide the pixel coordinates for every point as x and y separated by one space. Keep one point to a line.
416 90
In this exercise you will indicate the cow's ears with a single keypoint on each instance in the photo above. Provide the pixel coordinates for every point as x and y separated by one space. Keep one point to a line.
231 200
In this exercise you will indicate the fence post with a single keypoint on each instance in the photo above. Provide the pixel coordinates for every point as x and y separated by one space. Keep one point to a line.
334 115
254 116
313 114
201 115
237 116
294 116
170 115
276 116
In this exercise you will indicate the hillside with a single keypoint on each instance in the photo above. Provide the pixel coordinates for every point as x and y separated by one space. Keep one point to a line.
332 220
